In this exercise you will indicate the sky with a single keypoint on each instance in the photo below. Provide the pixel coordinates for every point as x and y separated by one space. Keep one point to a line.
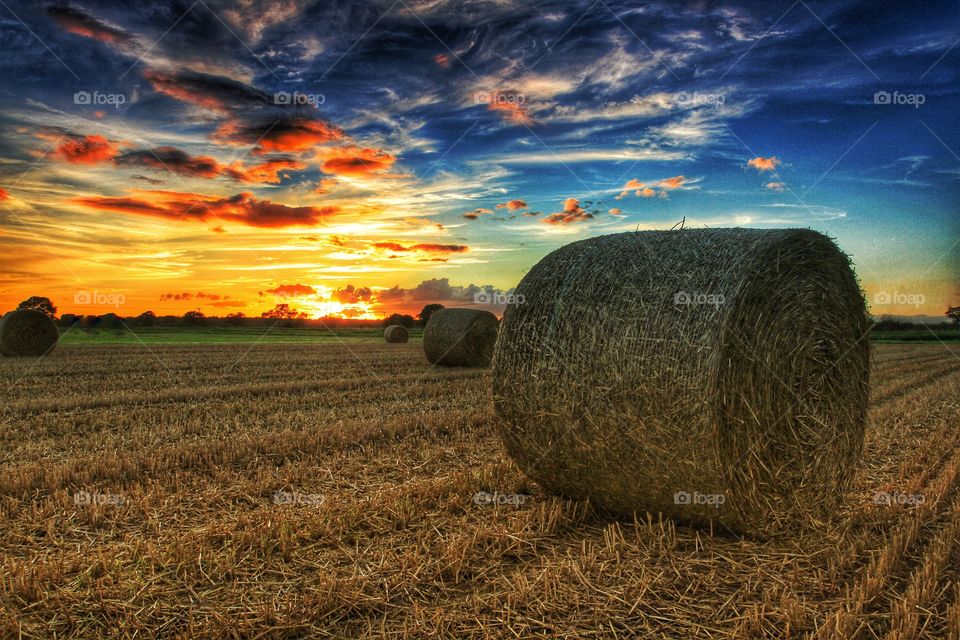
362 158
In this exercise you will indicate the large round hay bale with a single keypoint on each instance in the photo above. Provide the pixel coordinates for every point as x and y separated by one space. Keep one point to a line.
27 332
716 375
460 337
396 333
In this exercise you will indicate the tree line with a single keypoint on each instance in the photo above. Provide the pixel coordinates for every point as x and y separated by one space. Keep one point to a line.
281 315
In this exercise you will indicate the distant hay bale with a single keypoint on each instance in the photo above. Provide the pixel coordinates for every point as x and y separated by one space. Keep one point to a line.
396 333
27 332
716 375
460 337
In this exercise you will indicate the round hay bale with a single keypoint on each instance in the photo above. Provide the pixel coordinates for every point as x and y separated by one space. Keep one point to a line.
396 333
27 332
460 337
715 376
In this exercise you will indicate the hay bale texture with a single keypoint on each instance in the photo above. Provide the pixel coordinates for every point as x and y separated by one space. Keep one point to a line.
396 333
27 332
460 337
626 378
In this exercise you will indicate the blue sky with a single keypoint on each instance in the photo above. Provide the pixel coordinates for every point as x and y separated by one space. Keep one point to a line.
188 169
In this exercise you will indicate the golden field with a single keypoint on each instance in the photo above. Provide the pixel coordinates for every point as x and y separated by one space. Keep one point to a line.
139 498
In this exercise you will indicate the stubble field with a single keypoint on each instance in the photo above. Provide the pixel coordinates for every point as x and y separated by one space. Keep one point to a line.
295 491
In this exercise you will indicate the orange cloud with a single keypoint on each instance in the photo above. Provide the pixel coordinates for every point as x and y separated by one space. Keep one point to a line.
242 208
354 161
615 212
764 164
326 185
641 190
292 135
632 184
4 195
200 295
424 247
268 172
86 150
182 163
512 111
512 205
672 183
352 295
292 290
572 212
775 186
476 213
442 59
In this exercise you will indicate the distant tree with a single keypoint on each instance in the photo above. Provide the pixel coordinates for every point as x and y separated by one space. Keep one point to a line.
195 318
891 323
427 311
236 319
954 314
396 318
70 320
146 319
39 303
110 322
283 312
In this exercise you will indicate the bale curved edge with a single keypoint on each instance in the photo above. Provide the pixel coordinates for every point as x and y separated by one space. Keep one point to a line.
460 337
27 333
396 333
716 376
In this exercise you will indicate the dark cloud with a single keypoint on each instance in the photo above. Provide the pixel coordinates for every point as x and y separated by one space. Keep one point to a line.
77 22
242 208
212 92
172 159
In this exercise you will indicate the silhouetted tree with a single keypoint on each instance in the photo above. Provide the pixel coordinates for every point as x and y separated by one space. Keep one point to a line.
954 314
401 319
427 311
146 319
237 319
283 312
110 322
70 320
39 303
195 318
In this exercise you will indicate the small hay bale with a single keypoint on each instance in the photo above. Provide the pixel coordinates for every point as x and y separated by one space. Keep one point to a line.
460 337
715 376
396 333
27 332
